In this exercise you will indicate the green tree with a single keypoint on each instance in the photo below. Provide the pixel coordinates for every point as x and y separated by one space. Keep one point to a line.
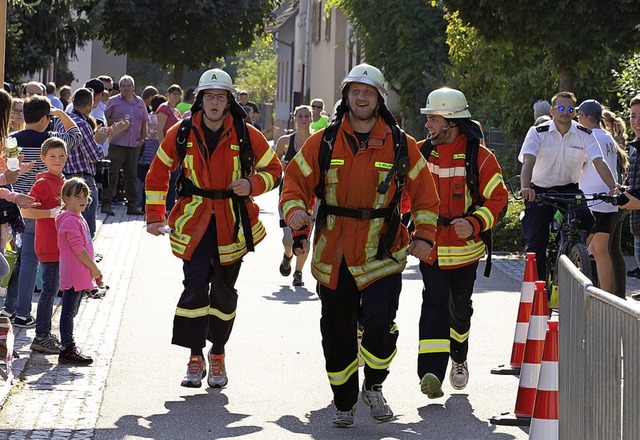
43 31
573 34
178 33
406 40
257 71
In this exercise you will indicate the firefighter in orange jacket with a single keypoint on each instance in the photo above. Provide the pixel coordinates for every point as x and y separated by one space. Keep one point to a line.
450 271
359 272
215 220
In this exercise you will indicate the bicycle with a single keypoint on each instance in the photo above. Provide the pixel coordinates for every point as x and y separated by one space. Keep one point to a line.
565 237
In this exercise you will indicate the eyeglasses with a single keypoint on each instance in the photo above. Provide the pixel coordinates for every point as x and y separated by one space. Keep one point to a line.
562 108
317 106
17 110
221 97
108 90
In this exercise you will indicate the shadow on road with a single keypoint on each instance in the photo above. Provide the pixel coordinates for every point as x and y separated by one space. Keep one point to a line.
293 295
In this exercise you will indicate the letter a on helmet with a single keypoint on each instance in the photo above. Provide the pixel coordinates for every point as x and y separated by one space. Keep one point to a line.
366 74
215 79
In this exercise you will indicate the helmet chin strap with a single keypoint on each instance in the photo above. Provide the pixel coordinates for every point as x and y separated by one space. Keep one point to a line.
443 132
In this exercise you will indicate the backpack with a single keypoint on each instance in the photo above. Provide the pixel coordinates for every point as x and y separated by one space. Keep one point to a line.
391 213
186 188
472 175
9 211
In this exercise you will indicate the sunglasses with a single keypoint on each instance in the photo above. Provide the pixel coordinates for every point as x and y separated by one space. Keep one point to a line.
317 106
562 108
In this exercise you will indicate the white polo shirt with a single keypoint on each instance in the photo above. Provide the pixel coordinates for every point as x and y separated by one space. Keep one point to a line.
559 159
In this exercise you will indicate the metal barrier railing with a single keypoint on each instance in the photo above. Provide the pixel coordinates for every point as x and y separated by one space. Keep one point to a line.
599 361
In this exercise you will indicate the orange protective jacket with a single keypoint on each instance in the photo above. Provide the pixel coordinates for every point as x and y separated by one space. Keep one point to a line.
191 215
351 182
447 164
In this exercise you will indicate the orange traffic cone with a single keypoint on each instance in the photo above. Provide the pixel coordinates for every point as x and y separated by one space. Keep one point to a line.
522 320
530 370
544 423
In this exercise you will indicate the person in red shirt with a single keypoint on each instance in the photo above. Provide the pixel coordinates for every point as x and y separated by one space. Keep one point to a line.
46 191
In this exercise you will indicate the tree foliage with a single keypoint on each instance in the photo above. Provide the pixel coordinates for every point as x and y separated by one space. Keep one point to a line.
406 40
572 34
176 33
39 32
257 71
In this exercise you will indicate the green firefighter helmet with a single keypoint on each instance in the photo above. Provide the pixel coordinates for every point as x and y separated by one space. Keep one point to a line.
446 102
366 74
215 79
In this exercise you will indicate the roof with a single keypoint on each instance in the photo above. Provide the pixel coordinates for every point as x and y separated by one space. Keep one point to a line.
284 18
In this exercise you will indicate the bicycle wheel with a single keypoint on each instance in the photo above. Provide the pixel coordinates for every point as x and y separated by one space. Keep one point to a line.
579 256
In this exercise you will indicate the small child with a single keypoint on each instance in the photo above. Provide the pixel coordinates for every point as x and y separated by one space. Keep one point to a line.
46 191
78 270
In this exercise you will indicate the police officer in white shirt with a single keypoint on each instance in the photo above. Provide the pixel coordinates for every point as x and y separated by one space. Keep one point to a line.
552 157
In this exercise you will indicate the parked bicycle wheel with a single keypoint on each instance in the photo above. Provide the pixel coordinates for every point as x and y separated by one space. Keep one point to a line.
579 256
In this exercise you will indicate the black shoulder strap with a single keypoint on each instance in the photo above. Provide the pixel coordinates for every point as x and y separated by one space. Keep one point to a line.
182 137
247 158
324 156
472 172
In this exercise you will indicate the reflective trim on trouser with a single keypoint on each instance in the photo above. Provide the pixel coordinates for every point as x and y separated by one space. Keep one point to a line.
341 311
446 308
207 306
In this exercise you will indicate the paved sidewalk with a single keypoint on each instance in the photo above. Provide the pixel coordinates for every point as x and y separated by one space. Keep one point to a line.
95 331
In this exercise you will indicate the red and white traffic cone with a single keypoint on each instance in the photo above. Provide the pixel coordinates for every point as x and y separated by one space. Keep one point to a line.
530 370
544 423
522 320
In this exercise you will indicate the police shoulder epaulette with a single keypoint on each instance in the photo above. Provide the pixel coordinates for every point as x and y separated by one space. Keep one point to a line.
583 128
542 128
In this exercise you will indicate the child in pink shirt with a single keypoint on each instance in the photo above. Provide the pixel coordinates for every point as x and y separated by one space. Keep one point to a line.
78 270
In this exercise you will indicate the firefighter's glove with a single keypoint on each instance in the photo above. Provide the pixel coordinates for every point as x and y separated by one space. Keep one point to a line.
299 245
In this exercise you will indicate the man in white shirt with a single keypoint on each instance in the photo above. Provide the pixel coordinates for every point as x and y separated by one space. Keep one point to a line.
552 156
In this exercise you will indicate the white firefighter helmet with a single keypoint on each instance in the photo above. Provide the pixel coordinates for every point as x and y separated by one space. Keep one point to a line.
446 102
366 74
215 79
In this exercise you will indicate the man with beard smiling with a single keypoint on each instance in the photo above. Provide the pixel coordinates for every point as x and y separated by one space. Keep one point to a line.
357 263
215 221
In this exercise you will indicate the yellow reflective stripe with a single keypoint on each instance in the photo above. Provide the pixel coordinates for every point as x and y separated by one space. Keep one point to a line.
375 269
188 160
223 316
155 197
234 147
434 346
456 255
341 377
188 212
321 271
457 336
461 156
419 166
424 217
330 188
305 169
385 165
269 181
493 183
266 159
164 157
192 313
375 362
289 204
178 247
486 215
336 162
394 329
235 251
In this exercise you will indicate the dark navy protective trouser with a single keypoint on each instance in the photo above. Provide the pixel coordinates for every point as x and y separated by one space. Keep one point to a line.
207 306
375 308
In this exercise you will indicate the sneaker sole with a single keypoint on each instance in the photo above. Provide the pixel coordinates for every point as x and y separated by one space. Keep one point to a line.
377 420
431 386
457 387
79 364
190 384
41 349
342 425
218 385
24 325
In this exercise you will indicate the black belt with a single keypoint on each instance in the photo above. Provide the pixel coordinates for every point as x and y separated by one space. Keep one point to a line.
357 213
187 188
